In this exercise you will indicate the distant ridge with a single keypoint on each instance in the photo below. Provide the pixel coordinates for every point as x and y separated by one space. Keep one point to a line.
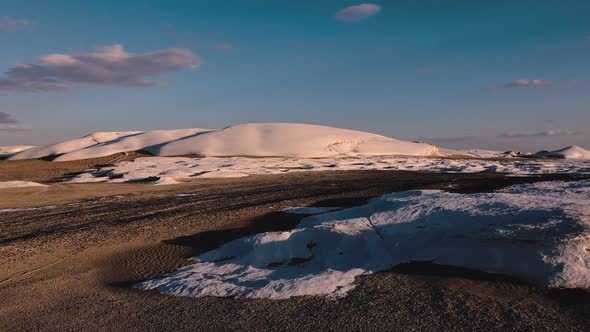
570 152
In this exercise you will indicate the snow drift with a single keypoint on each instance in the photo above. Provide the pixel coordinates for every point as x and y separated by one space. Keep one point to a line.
253 140
570 152
539 232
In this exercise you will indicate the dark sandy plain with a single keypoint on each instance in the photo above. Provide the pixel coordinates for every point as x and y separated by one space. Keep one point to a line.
67 265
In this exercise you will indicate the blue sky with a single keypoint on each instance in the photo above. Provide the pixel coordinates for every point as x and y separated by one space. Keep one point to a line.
501 74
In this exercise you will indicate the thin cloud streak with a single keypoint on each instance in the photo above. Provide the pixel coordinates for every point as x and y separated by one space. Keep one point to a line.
13 127
7 118
358 13
223 47
8 23
545 133
109 65
523 83
8 122
424 71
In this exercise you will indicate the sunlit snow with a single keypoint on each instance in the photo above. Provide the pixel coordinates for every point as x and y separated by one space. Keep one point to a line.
19 184
171 169
538 232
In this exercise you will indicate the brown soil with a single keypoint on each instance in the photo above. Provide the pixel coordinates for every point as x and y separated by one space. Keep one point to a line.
68 267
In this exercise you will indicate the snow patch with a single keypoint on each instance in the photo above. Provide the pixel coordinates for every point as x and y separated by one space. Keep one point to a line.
539 232
178 168
19 184
478 153
49 207
165 181
88 177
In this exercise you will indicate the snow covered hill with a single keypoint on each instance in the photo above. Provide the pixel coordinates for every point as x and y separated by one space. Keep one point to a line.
7 151
293 140
149 141
72 145
253 140
570 152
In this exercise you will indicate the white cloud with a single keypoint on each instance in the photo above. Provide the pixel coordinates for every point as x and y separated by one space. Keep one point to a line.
358 13
109 65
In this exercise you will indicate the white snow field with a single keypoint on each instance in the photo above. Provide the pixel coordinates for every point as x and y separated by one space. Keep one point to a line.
538 232
571 152
169 170
19 184
6 151
254 140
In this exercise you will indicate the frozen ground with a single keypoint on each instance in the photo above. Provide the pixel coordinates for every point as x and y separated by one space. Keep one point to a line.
538 232
168 170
